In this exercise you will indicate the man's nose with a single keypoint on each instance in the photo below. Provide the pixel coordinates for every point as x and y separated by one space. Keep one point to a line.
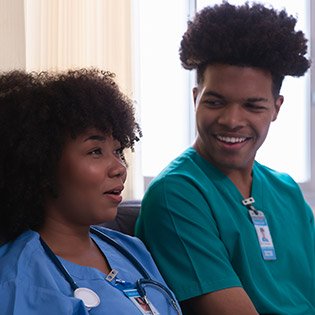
232 116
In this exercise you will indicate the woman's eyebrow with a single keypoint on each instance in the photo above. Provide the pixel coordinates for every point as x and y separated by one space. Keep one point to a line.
95 137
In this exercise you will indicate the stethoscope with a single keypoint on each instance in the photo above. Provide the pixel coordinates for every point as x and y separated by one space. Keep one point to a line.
88 296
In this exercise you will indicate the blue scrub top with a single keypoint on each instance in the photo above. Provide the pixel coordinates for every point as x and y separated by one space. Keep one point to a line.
31 284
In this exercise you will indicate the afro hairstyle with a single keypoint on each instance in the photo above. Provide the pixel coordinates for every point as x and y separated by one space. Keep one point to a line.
246 35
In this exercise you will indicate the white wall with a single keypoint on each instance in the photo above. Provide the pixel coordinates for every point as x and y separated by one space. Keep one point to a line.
12 35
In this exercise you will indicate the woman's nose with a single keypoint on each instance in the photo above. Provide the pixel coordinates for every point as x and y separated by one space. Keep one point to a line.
118 169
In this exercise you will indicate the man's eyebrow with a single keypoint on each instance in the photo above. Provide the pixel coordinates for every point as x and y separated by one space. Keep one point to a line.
251 99
215 94
256 99
95 137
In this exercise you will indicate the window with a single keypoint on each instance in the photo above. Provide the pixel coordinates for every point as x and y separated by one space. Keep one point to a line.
163 88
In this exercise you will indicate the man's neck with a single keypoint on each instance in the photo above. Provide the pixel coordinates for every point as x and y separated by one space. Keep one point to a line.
243 182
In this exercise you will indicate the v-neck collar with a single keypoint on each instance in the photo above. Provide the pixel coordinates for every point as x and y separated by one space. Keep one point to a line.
225 183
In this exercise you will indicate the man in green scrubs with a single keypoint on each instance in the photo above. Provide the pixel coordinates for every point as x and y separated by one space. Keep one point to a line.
202 218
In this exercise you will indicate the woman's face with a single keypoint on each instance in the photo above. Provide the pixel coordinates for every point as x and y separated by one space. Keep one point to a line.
90 179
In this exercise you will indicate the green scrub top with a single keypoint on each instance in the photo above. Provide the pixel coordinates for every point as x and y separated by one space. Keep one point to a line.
203 240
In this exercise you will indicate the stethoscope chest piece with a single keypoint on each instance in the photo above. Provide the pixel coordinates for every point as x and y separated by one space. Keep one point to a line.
88 296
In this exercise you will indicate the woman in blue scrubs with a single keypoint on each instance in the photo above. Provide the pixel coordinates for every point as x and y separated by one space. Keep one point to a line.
62 169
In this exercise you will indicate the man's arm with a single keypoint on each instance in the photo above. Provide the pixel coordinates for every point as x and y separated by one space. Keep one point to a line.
232 301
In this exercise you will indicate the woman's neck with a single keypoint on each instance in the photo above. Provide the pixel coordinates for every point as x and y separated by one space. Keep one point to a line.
65 238
74 244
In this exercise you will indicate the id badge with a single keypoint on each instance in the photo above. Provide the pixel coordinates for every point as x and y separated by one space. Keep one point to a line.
142 303
263 234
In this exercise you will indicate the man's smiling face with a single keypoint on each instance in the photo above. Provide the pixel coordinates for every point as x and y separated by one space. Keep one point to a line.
234 108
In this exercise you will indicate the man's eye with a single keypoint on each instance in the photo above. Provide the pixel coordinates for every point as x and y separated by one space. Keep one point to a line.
213 103
254 107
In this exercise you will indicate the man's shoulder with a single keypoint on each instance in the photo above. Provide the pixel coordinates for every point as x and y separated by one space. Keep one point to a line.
187 168
180 163
273 177
279 184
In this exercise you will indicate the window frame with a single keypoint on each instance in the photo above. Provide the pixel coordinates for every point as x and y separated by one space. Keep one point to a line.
308 187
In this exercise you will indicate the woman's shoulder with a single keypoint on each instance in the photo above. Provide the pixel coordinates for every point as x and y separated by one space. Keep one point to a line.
127 241
18 253
22 244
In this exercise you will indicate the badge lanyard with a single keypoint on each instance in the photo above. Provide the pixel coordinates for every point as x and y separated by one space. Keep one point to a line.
262 230
133 292
90 298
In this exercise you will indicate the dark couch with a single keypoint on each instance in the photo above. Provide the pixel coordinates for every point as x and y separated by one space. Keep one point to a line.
127 214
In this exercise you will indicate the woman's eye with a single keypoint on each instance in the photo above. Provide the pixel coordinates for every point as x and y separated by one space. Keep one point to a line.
96 152
119 152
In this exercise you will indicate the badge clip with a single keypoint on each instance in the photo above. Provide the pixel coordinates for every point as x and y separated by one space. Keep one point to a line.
111 276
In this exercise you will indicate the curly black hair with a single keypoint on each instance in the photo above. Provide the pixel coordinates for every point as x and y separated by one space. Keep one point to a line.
245 35
38 112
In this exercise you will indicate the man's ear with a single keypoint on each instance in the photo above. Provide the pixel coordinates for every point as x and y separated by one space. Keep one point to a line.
195 94
278 103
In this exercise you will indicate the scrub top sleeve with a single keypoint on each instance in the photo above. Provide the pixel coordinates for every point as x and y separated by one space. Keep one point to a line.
180 231
312 222
19 298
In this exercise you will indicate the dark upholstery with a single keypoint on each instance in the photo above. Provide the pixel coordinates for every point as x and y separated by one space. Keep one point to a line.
126 218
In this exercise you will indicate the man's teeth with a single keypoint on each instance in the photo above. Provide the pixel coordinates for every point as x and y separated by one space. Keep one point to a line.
231 139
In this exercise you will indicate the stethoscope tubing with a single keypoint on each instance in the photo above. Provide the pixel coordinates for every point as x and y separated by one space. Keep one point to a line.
59 265
123 251
146 280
